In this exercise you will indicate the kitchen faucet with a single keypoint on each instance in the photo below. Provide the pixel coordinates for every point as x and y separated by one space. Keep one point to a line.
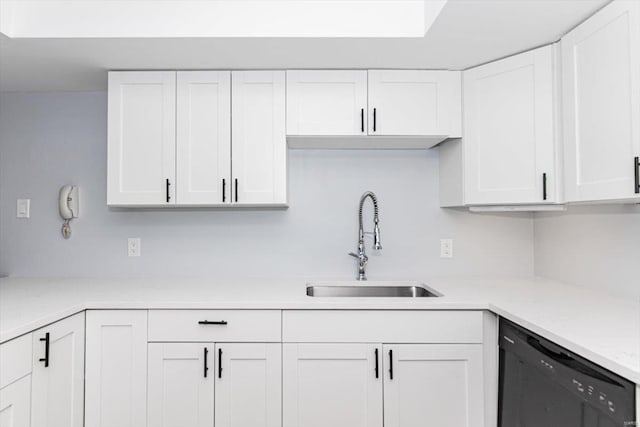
361 256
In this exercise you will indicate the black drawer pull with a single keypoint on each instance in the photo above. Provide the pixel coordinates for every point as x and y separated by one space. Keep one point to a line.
544 186
206 363
377 367
45 359
224 190
213 322
219 363
362 120
236 192
636 164
390 364
374 120
167 186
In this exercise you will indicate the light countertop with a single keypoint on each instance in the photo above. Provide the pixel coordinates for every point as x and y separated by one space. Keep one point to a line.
602 328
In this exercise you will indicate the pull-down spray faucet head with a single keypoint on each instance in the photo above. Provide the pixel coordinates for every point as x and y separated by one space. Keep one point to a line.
376 237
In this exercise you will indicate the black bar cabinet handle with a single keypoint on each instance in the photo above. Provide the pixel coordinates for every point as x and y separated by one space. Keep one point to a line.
167 187
212 322
390 364
636 164
219 363
206 363
377 367
544 186
362 120
46 350
374 120
224 190
236 192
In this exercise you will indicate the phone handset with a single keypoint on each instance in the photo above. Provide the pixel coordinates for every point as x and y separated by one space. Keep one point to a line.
68 204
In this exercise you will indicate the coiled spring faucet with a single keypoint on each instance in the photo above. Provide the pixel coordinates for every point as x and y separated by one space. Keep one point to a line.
361 256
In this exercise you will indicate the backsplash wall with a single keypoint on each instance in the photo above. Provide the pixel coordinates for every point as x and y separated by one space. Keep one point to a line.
51 139
594 246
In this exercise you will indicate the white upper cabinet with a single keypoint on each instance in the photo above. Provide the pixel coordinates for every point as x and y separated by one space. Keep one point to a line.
601 104
509 139
170 140
259 149
58 374
181 384
248 385
433 384
326 102
414 102
141 138
203 137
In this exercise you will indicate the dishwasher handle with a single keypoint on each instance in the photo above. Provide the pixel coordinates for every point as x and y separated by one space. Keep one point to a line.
570 362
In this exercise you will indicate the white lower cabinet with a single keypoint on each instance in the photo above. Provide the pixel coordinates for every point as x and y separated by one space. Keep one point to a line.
353 385
361 373
42 376
439 385
116 368
338 385
57 398
180 385
397 368
248 385
15 403
246 378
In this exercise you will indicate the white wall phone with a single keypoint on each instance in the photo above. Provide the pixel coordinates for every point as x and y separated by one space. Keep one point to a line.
68 204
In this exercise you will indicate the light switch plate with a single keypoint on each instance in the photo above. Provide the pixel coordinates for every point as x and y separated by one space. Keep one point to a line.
23 208
133 246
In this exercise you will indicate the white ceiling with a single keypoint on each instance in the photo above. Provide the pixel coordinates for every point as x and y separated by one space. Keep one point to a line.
466 33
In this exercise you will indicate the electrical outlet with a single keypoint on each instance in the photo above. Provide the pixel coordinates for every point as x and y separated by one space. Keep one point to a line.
23 208
133 246
446 248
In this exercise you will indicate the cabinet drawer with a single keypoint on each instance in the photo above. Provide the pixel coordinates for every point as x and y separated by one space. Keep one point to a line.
382 326
15 359
214 325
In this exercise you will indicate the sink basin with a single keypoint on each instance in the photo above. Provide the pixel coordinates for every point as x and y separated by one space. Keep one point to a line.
370 290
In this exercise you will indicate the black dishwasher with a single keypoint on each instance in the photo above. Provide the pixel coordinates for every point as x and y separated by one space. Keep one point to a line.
545 385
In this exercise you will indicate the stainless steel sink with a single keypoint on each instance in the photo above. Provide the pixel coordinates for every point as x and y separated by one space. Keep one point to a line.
365 290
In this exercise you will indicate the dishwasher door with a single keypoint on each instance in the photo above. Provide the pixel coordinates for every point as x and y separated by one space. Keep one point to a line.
545 385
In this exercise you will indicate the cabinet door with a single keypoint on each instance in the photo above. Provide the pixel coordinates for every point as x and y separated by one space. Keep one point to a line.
332 385
58 374
440 385
259 148
248 376
601 104
414 102
15 403
326 102
203 131
509 139
116 368
141 138
180 385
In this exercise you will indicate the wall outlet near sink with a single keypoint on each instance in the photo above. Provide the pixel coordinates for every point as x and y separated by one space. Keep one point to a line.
446 248
133 246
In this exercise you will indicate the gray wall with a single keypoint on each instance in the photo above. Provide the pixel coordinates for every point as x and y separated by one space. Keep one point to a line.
593 246
47 140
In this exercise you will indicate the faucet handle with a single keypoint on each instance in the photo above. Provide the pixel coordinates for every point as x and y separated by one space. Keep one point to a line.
354 255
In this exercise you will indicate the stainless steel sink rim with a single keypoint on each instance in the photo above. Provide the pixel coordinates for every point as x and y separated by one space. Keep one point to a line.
370 291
